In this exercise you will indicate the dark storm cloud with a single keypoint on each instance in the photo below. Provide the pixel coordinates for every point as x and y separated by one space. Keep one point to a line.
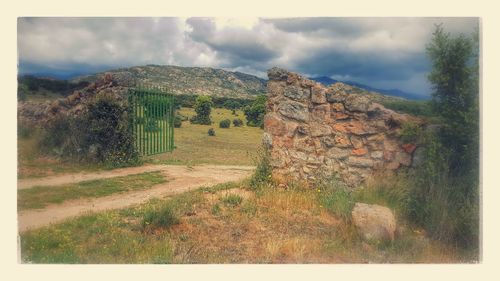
234 46
382 52
364 66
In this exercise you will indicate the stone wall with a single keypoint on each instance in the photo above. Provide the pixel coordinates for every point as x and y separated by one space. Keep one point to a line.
315 131
38 114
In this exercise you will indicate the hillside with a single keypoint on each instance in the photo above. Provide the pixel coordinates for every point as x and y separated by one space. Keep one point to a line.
188 80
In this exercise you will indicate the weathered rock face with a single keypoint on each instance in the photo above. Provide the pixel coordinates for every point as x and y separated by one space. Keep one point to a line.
313 131
39 114
374 222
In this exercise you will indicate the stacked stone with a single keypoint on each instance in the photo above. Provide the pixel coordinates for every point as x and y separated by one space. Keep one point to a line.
313 131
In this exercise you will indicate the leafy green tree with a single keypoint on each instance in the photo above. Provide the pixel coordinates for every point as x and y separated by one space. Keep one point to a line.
455 81
202 107
444 195
256 111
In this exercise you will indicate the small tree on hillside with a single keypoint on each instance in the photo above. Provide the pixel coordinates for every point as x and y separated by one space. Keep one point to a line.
202 107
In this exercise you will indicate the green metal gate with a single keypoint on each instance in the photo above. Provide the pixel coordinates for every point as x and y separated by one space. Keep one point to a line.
152 120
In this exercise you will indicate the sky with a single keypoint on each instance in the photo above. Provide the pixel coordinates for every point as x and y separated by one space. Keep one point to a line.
385 53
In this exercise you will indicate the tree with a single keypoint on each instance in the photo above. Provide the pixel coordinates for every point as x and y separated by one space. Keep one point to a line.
202 107
444 194
256 111
455 81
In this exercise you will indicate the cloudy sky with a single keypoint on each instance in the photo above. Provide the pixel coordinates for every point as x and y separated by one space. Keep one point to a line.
381 52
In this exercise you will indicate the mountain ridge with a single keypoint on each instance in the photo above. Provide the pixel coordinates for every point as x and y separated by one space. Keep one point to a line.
188 80
388 92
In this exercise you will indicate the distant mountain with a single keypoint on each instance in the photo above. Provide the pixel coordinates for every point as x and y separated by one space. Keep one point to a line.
188 80
390 92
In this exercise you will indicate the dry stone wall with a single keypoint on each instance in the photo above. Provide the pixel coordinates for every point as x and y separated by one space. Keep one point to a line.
315 131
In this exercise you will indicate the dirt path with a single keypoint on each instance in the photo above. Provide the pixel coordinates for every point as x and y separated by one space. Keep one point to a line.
180 179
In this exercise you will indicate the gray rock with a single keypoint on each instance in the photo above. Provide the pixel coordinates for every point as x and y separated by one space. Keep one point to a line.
357 103
374 222
338 153
360 162
318 130
332 96
328 141
296 93
318 95
276 73
267 140
377 154
294 110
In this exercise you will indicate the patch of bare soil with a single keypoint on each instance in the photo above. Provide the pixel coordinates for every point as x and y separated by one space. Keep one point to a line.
180 179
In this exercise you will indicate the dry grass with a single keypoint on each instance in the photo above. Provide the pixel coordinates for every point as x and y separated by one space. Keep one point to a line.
273 226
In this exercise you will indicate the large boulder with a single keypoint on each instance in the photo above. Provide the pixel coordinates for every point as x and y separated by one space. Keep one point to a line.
374 222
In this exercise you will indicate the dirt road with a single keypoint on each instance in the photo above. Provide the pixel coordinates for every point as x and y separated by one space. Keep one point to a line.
180 179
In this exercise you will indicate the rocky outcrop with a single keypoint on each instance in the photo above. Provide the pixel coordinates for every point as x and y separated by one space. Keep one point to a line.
38 114
374 222
313 131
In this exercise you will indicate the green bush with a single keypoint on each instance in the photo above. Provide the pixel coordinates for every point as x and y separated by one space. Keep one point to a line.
262 174
410 132
255 112
24 130
211 132
202 107
237 122
225 123
442 203
177 121
101 134
160 217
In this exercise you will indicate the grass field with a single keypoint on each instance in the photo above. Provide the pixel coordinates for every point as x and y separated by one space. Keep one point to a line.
224 224
41 196
233 146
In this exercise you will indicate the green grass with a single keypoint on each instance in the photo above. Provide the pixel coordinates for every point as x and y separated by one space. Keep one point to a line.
232 200
162 217
41 196
276 227
233 146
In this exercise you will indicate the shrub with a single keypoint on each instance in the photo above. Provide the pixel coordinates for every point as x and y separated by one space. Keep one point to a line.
24 130
211 132
262 175
237 122
255 112
161 217
225 123
177 121
100 134
410 132
203 107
